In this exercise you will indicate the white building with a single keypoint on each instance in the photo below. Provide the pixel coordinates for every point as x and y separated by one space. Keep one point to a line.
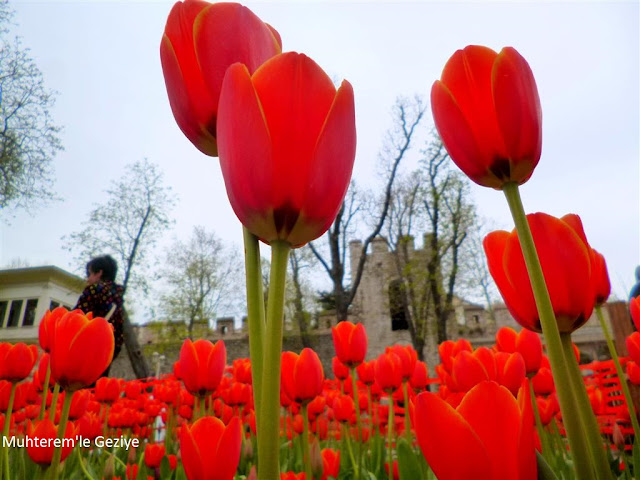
27 293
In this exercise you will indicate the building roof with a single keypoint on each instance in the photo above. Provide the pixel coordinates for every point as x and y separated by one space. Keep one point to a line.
13 276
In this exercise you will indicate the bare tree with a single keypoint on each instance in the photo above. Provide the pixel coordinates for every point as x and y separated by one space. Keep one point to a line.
434 199
29 139
127 226
202 275
298 299
407 115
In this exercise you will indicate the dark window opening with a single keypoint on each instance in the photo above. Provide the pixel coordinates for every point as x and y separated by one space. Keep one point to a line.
30 312
476 319
14 313
396 306
53 305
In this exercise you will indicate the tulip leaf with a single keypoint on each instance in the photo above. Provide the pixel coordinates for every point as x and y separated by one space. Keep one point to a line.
636 456
408 465
544 470
165 468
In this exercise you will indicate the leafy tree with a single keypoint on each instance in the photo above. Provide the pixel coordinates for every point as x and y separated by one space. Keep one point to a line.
29 138
127 226
203 276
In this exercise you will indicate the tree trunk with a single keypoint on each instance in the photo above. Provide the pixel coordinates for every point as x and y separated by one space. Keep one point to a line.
138 361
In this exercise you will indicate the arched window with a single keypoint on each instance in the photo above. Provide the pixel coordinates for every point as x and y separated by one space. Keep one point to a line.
396 306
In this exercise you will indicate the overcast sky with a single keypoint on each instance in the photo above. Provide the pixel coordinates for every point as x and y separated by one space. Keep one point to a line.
103 59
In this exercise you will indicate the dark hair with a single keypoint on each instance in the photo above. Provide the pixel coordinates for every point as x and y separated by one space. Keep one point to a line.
106 263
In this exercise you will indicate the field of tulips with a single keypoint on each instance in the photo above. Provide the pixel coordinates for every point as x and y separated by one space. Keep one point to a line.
286 140
487 413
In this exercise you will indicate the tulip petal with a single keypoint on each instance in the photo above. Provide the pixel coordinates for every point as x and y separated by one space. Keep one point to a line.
331 167
493 414
296 95
518 111
227 454
520 302
192 103
247 40
244 144
450 446
458 137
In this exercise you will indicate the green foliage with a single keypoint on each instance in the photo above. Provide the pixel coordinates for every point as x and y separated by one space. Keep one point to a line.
29 139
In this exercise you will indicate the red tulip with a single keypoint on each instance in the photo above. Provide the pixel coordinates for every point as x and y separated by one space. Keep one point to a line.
45 432
200 41
211 451
302 375
529 345
330 463
388 371
366 372
485 437
468 371
287 144
633 346
17 361
202 365
47 324
566 265
408 358
343 408
487 111
350 342
601 277
340 370
633 372
634 308
506 338
543 381
420 376
107 390
81 349
153 454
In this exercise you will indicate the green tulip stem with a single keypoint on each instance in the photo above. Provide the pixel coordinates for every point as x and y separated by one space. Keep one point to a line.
62 427
407 421
4 451
45 392
390 435
54 402
582 460
356 401
588 418
620 372
306 456
269 426
546 451
255 313
347 439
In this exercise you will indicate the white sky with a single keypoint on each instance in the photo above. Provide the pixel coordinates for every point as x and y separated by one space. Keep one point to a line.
103 59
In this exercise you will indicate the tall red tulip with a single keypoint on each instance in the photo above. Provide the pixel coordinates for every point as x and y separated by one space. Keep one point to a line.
200 41
302 375
350 342
211 451
487 111
388 371
47 324
45 431
17 361
81 349
202 365
487 436
566 265
287 143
